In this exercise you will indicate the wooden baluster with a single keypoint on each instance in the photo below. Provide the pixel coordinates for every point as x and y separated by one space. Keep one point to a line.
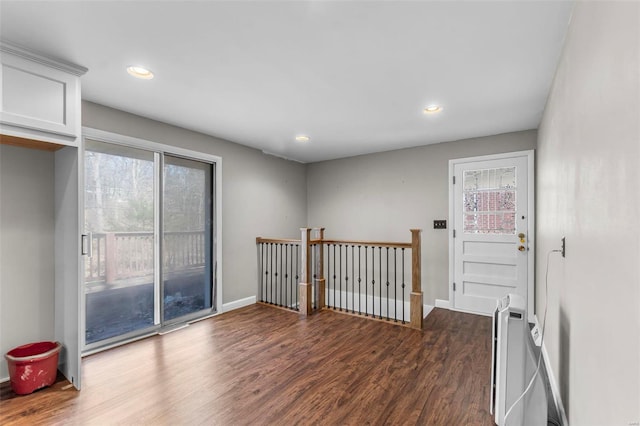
305 285
416 281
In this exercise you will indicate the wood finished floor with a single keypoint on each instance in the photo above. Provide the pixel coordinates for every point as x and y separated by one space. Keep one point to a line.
265 366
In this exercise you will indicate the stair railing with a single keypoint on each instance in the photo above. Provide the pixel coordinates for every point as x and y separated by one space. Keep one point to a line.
364 278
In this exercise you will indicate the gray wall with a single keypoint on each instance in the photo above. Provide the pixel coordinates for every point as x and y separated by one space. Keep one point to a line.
261 195
588 191
26 248
381 196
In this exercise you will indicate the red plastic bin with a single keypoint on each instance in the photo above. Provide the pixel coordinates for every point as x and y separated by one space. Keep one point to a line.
33 366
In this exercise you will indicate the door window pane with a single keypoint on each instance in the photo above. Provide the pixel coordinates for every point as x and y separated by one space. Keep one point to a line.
187 237
489 201
119 215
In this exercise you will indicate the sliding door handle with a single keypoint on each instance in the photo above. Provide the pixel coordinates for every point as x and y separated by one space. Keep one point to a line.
87 244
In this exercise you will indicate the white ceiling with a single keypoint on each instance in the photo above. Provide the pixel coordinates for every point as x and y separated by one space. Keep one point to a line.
353 75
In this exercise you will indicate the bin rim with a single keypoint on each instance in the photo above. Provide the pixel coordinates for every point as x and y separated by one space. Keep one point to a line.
46 354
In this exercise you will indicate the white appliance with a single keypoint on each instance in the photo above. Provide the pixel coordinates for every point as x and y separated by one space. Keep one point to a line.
514 362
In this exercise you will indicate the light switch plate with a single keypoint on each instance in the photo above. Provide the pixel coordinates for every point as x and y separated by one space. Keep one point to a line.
439 224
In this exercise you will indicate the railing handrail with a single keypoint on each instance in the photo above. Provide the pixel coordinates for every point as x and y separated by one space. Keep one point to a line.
276 240
325 241
136 233
363 243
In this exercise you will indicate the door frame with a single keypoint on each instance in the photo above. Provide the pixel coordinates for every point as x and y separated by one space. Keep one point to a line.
531 240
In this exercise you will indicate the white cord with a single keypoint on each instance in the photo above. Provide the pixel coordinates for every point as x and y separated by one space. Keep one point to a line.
544 323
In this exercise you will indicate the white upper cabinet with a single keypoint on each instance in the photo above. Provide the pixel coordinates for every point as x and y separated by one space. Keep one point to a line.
39 97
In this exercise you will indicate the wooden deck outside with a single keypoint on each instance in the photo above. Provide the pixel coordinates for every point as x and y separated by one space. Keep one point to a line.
263 366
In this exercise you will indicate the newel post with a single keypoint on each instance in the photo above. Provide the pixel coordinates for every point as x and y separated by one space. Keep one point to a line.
416 281
306 285
319 268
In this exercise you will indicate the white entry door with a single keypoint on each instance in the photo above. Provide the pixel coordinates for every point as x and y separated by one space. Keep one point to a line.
491 243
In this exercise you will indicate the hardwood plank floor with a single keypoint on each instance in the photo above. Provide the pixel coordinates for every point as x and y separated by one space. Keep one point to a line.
262 366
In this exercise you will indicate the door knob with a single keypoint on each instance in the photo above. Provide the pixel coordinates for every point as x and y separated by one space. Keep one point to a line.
521 248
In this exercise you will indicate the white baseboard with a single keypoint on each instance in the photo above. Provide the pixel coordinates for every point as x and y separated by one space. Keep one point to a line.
426 310
4 379
440 303
555 389
372 304
237 304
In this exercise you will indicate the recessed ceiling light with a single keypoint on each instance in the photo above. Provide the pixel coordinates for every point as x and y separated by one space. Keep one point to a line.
432 108
140 72
302 138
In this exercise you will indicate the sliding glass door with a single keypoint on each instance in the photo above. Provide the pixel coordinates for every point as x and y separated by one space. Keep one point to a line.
149 217
187 235
119 219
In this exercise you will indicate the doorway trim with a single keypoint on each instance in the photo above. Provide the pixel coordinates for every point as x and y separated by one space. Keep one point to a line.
530 155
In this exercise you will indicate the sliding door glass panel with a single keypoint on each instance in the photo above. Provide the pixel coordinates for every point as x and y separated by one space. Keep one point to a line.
187 216
119 217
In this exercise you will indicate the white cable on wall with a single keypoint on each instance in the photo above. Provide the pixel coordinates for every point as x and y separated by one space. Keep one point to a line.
544 323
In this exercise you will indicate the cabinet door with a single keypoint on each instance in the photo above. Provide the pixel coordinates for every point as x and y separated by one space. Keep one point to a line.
39 99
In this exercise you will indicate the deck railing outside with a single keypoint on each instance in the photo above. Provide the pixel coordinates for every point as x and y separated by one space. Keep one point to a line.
380 280
125 255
